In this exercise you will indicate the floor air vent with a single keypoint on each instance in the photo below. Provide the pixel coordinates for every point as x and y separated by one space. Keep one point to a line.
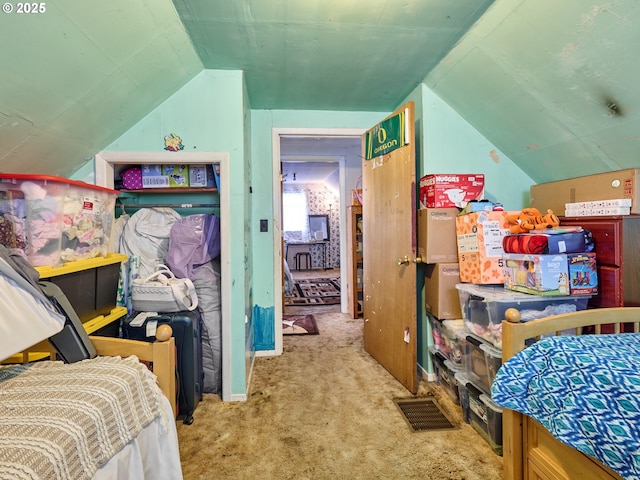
423 414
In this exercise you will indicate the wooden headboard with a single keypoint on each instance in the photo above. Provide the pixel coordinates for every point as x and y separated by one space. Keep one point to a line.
161 354
515 333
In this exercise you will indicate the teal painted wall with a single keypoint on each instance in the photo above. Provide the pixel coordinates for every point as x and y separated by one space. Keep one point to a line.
210 115
85 173
262 123
452 145
248 227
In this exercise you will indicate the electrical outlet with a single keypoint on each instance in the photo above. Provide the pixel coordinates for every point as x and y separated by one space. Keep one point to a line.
264 225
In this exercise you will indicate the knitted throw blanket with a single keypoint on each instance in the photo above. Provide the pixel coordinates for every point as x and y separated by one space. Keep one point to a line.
64 421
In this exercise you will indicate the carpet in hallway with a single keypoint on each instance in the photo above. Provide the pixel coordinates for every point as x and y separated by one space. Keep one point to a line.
325 410
299 325
315 291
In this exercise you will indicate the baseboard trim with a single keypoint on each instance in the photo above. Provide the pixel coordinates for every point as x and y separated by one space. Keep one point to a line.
238 397
266 353
429 377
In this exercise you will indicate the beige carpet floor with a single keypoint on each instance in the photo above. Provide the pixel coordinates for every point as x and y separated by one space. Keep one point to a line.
325 410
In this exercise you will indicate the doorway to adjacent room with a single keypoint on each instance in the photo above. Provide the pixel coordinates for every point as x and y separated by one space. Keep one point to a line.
349 171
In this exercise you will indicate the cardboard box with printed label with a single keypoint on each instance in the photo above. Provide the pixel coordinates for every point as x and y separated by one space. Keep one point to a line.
440 293
602 186
152 177
450 190
178 175
583 273
437 235
537 274
479 239
201 176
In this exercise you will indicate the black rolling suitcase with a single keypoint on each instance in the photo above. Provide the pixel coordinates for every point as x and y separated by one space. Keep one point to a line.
186 331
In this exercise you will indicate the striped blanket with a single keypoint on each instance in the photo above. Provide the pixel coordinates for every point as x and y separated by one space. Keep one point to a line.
63 421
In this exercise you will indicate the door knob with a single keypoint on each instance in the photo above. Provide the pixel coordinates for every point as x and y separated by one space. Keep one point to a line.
417 260
403 261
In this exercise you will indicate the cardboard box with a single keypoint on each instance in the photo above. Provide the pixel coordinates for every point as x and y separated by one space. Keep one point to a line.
617 202
437 235
479 240
597 212
450 190
583 273
479 206
440 294
537 274
601 186
201 176
152 177
178 175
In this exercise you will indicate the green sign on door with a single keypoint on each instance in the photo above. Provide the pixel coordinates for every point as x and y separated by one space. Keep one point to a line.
386 136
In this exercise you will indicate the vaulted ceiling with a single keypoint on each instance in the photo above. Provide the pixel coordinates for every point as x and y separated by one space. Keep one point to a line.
551 84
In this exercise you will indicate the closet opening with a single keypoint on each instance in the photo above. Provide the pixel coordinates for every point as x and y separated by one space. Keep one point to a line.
106 164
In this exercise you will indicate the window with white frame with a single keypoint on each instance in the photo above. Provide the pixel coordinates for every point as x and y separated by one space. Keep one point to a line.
295 215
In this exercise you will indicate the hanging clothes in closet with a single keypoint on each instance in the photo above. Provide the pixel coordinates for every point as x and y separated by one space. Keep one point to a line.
147 240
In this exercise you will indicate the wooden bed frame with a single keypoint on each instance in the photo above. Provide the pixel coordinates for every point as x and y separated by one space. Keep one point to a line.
529 450
162 354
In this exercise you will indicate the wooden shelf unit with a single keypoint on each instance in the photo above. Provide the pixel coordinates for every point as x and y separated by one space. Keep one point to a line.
354 261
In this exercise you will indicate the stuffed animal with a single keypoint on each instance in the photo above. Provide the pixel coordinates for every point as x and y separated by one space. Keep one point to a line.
531 219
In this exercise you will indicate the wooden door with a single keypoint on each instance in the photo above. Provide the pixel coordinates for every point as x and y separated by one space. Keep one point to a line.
389 231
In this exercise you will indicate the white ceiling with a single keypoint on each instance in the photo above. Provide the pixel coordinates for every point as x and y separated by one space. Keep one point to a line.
308 172
307 159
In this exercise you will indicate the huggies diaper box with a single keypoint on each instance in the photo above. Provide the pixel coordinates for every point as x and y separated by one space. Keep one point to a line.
449 190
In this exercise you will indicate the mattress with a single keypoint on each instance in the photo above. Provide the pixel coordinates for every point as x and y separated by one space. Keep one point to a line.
153 454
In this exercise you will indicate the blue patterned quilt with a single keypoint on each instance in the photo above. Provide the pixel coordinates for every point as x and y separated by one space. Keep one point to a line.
585 390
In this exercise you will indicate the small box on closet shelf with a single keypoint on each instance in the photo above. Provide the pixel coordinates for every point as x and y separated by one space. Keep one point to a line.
201 176
178 175
152 177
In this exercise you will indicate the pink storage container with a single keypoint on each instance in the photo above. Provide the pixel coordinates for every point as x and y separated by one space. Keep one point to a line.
51 220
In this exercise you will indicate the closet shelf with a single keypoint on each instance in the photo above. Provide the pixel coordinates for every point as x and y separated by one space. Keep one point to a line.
172 190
